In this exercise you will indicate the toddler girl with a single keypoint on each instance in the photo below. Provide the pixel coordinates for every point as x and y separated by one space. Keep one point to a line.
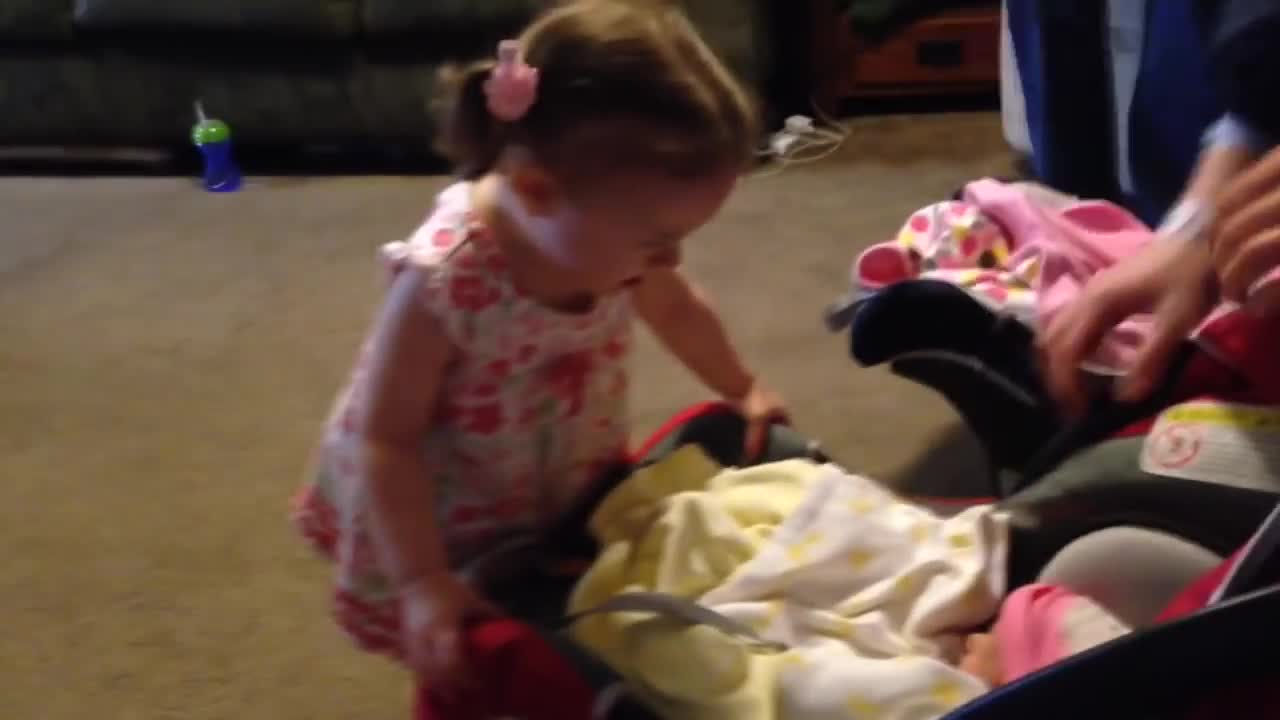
491 391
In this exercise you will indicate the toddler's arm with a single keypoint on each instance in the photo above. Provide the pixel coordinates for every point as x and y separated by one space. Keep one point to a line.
687 325
409 355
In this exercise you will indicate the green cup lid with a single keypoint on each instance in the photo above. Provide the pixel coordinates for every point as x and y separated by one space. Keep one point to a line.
210 131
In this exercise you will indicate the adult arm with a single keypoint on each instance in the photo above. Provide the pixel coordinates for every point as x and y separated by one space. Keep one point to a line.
1243 42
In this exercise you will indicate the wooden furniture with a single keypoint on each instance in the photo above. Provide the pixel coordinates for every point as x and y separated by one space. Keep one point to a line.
951 52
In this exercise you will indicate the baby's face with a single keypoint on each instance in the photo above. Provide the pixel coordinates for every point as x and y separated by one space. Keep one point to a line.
982 659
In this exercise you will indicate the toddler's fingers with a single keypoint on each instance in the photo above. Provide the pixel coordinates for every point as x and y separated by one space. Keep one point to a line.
757 432
418 653
449 670
481 606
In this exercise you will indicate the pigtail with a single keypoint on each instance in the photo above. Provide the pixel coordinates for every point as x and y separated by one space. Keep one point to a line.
470 137
596 85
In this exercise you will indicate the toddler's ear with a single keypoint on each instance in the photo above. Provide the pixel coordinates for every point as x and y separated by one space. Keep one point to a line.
537 189
881 265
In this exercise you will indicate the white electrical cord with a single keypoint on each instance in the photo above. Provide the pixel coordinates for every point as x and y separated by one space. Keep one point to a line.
800 141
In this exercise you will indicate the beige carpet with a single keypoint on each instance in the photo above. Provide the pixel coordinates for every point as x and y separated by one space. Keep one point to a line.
166 357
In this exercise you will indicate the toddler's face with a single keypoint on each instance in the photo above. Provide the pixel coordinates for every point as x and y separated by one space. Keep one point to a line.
626 225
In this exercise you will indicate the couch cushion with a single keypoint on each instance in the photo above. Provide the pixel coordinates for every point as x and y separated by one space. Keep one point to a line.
452 21
308 18
35 19
738 32
117 97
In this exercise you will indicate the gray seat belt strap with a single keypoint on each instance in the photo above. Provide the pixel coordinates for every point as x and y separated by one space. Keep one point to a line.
677 608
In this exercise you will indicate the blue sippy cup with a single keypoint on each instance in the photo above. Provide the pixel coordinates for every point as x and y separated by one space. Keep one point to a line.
213 138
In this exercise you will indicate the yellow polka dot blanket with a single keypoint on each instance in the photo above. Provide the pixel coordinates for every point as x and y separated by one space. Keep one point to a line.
858 600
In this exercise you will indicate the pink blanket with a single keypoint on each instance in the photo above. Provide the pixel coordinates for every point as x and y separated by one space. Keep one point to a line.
1027 253
1066 246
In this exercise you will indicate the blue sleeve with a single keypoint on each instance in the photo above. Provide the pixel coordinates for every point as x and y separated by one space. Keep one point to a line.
1244 52
1232 130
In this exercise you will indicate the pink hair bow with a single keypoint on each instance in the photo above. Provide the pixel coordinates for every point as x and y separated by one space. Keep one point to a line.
512 86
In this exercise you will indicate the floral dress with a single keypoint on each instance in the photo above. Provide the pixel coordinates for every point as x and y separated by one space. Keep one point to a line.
529 414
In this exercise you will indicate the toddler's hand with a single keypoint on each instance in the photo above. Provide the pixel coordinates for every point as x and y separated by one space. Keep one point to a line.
433 612
761 407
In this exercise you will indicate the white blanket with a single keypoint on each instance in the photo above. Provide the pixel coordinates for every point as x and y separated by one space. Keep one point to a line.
870 594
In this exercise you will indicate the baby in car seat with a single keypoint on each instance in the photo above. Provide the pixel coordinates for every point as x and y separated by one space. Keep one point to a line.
1038 625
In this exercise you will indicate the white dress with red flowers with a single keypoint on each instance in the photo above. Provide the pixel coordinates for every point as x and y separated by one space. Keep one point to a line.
529 415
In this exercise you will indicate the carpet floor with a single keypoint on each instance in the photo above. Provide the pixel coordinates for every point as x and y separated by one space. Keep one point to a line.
168 355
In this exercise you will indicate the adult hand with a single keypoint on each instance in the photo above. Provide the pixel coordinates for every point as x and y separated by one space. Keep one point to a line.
1246 244
1172 278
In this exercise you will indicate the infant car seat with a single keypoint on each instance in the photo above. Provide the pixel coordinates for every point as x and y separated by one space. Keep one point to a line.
984 364
1218 518
1222 661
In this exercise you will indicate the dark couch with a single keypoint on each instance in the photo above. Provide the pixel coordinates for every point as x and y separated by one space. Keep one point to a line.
126 72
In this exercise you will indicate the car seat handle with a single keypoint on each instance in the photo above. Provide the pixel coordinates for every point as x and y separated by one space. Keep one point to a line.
678 608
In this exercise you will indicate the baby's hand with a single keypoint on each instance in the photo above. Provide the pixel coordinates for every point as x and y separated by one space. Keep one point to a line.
761 407
982 658
433 612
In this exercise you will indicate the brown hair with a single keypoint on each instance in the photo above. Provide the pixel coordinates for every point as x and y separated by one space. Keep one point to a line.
621 84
